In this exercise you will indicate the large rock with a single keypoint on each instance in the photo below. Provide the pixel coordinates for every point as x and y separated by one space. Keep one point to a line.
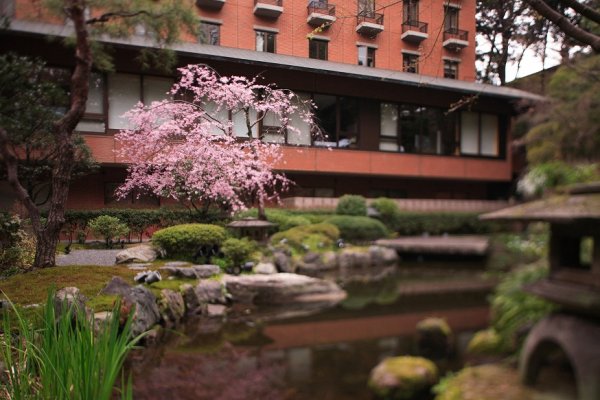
197 297
206 270
265 268
116 286
403 377
146 313
180 272
348 259
69 298
171 307
281 289
138 254
283 262
434 338
382 256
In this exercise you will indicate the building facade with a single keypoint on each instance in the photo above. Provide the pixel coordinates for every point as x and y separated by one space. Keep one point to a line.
393 82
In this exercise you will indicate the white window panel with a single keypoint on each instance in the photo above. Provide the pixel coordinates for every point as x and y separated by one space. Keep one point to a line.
123 95
389 120
156 89
469 134
239 123
489 135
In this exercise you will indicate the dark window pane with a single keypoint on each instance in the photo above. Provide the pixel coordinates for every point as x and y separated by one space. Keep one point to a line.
450 69
317 49
265 41
209 33
326 118
411 11
410 63
450 18
348 136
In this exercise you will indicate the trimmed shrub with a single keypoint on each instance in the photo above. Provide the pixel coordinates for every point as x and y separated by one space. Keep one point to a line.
313 237
417 223
388 212
17 248
110 228
293 221
485 343
183 241
359 229
350 204
237 251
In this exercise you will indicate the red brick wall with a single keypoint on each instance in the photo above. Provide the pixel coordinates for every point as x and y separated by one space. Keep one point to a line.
237 30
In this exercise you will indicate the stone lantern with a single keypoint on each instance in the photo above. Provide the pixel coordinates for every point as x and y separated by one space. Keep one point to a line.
573 284
252 228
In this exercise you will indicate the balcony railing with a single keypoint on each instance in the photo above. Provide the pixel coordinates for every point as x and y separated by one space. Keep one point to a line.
321 7
369 17
369 23
457 34
268 8
320 13
414 31
210 4
414 26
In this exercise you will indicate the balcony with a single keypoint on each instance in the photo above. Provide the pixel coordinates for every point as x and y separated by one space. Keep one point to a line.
414 31
369 23
455 39
268 8
320 13
210 4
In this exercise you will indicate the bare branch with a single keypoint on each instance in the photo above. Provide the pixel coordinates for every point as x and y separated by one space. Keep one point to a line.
106 17
583 9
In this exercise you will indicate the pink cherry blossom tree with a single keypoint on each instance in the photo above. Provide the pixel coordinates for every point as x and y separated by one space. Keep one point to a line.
188 148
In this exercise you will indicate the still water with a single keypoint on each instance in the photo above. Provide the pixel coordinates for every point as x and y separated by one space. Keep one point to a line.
324 356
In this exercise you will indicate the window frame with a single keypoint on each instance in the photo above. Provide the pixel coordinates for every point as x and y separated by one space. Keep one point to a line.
410 62
209 24
451 65
317 45
410 11
369 55
266 35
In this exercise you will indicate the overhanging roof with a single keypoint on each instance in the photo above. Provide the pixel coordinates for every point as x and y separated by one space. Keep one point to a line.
296 63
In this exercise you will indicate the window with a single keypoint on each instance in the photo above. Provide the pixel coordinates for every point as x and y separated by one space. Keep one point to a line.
317 49
479 134
265 41
410 11
137 198
451 19
210 33
94 119
366 8
337 118
450 69
126 90
366 56
415 129
410 63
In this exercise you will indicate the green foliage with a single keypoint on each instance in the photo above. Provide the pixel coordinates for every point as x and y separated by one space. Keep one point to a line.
139 221
485 343
549 175
437 223
293 221
513 309
350 204
413 376
510 250
182 241
30 101
110 228
358 229
17 248
313 237
568 127
66 358
237 251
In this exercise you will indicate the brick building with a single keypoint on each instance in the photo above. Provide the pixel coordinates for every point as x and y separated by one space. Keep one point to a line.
388 77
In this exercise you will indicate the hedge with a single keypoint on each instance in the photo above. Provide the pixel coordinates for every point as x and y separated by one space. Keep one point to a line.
183 241
358 228
139 221
411 223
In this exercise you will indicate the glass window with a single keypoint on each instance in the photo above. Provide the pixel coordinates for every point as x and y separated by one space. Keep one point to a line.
450 69
123 95
451 19
348 133
427 130
302 136
93 120
388 140
489 135
411 11
410 63
469 133
366 56
265 41
210 33
156 89
240 127
325 115
271 129
366 8
317 49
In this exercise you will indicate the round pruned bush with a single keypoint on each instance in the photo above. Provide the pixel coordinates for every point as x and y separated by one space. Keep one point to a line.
311 237
183 241
359 229
388 210
237 251
351 205
292 222
109 228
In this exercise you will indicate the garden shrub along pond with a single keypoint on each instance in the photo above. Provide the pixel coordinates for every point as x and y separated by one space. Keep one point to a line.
184 241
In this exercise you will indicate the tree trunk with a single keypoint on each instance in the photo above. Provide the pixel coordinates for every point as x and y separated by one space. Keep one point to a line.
262 215
45 250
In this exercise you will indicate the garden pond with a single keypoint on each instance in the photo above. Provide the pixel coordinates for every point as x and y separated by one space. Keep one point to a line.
327 355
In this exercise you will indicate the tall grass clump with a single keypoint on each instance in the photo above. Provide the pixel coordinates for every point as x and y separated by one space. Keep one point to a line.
63 356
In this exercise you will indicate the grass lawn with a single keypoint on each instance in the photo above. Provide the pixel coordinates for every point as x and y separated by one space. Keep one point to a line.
32 287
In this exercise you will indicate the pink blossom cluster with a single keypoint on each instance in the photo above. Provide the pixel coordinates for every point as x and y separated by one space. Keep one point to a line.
174 152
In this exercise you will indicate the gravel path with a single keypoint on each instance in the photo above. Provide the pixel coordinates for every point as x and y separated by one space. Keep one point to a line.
88 257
